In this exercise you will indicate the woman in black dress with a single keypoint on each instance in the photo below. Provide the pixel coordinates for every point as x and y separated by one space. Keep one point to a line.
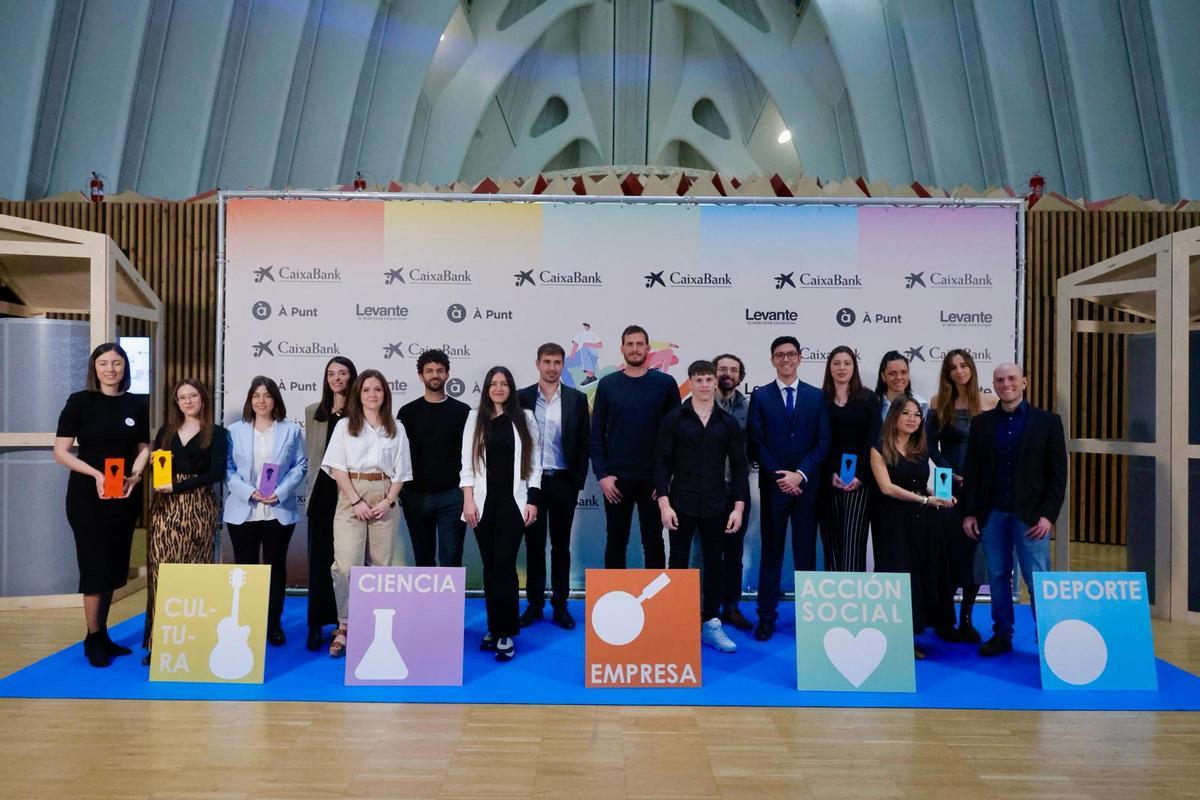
844 508
957 401
319 421
908 532
184 515
501 475
109 423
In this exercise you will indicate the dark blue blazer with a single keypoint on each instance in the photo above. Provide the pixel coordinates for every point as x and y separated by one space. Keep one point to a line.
779 441
576 427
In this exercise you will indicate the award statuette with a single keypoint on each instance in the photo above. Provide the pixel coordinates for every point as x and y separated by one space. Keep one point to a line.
849 469
943 482
163 474
114 477
268 480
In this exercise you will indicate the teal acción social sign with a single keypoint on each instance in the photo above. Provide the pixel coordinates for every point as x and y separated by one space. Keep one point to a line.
854 632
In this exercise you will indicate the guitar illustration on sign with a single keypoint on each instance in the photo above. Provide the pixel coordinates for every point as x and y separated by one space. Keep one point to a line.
232 657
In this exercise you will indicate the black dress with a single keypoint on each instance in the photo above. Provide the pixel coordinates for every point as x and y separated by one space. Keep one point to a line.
845 516
948 448
908 538
322 606
106 426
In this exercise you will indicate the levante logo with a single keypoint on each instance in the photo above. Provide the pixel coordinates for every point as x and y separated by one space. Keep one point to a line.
689 280
440 276
276 274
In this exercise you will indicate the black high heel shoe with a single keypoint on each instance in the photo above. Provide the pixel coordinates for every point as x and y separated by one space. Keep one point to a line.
95 651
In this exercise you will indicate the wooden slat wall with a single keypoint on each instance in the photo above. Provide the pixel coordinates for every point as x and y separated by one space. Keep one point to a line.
173 246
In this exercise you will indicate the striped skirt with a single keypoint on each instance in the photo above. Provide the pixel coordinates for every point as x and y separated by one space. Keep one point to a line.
181 531
844 521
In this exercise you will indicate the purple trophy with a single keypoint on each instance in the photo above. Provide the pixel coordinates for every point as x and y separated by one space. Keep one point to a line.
268 480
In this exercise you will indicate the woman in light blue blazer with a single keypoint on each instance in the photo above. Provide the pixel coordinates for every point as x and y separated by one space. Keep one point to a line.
501 476
267 464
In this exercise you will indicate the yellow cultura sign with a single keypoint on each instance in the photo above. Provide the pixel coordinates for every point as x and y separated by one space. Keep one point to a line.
210 623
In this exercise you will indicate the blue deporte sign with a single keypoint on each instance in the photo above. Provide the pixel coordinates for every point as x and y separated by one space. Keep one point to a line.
1094 630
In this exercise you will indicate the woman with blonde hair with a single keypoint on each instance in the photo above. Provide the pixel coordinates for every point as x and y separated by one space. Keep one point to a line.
908 532
956 403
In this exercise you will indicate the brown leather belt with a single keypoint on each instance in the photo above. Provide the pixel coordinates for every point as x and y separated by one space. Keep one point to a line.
368 476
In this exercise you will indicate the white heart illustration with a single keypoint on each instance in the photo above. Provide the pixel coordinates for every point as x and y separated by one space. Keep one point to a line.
855 656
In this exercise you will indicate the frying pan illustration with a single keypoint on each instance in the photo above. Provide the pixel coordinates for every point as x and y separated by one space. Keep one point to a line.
618 618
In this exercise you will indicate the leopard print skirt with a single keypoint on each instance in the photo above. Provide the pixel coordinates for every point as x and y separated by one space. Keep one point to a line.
181 532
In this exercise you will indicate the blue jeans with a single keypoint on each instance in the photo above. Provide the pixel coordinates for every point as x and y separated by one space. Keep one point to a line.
1002 533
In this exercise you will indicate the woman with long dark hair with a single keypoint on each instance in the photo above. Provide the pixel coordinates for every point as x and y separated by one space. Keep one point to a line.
109 423
319 421
500 478
369 459
262 516
907 535
854 422
184 514
956 403
894 382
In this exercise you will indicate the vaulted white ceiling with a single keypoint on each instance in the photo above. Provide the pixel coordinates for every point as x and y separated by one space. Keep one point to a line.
174 97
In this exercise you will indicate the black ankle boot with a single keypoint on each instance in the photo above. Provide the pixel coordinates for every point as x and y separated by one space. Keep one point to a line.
95 651
112 647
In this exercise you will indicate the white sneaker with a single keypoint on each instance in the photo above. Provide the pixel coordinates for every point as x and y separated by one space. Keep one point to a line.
713 635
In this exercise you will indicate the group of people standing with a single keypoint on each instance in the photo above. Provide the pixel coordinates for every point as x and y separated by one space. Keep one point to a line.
513 467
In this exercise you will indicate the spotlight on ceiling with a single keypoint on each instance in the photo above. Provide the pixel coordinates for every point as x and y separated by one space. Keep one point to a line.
443 38
785 136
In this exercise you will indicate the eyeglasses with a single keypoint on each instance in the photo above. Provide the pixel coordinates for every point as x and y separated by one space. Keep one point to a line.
790 355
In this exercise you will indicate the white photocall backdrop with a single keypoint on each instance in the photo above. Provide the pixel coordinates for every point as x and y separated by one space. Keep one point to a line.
379 279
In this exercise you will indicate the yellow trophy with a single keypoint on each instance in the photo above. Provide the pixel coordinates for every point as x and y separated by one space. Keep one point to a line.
163 476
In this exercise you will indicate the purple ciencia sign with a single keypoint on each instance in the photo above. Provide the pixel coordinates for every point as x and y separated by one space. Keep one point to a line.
406 626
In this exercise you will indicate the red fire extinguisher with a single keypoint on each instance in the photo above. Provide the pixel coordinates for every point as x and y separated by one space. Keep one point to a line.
96 189
360 183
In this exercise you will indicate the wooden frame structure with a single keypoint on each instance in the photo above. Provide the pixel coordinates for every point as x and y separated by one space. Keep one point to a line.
1157 285
57 270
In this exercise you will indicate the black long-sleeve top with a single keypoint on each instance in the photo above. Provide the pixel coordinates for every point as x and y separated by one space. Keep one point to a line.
206 465
690 458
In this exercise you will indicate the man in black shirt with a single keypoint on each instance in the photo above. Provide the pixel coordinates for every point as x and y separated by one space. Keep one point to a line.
695 442
625 414
432 501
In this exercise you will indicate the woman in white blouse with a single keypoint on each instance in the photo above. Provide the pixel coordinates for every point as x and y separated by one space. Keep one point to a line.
500 478
264 440
368 456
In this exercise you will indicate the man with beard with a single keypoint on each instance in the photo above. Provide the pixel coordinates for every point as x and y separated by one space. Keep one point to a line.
561 414
432 500
731 372
628 407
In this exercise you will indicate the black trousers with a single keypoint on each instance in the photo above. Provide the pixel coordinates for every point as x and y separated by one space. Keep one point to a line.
435 526
499 532
732 550
556 511
712 532
619 518
322 607
272 539
779 509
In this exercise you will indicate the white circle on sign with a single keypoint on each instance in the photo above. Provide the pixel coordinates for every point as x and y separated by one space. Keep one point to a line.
1076 652
129 421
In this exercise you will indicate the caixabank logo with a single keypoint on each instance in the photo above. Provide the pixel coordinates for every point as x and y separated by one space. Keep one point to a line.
981 355
426 276
811 280
286 348
402 349
935 279
688 280
821 353
555 277
273 273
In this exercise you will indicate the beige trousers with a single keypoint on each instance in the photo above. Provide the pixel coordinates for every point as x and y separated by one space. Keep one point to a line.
357 543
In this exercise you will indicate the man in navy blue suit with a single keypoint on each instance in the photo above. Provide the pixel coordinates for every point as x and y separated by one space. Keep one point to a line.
788 430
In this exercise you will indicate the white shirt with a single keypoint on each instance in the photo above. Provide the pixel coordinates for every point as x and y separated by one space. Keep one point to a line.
371 451
548 414
264 447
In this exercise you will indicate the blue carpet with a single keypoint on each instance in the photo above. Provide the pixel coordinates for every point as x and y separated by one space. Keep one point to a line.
549 669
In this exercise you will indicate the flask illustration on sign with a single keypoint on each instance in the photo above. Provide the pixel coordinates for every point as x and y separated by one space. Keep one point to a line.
382 661
856 656
942 477
231 658
618 617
